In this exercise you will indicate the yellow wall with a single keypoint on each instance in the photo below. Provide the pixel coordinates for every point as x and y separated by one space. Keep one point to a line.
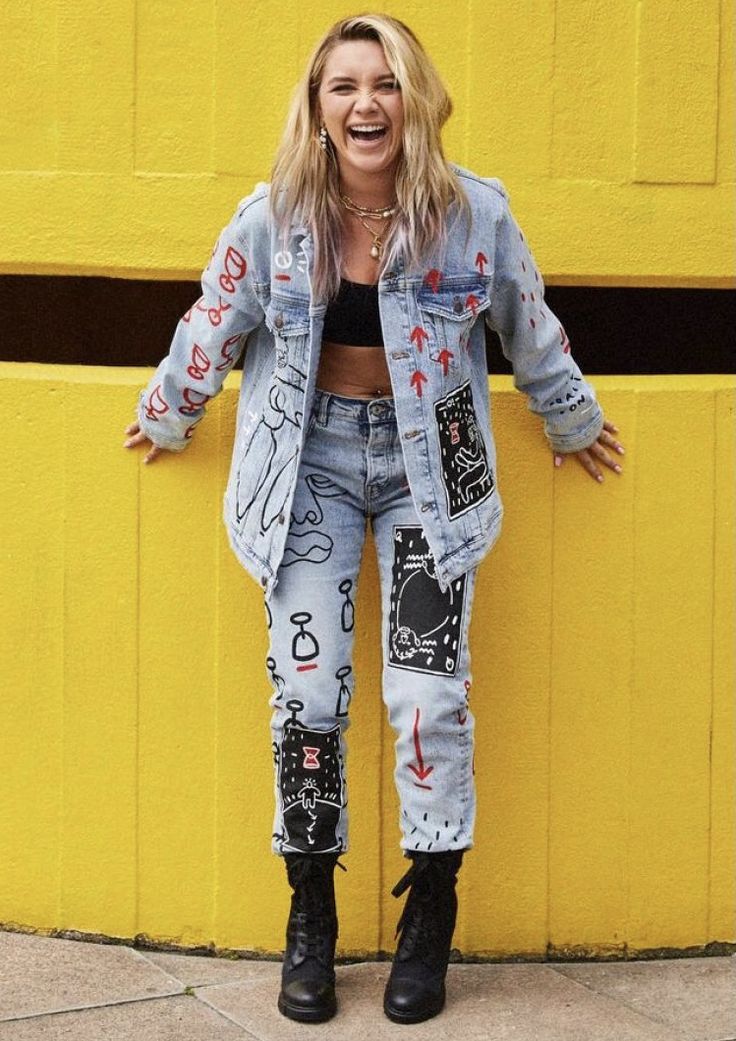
136 766
130 128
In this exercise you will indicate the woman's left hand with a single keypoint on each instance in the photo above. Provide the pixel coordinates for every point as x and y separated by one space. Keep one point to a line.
597 451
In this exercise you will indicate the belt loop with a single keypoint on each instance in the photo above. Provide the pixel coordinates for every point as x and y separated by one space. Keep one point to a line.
324 407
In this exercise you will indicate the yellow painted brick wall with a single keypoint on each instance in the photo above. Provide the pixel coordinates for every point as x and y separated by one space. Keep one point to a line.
137 785
130 128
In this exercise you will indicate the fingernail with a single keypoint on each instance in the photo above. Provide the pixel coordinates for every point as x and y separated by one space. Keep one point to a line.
599 477
620 449
617 468
558 461
146 460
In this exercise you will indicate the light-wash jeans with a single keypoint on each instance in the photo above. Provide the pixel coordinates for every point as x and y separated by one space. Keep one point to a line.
352 469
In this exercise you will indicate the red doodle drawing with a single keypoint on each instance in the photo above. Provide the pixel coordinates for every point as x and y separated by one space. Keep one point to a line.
564 341
416 381
156 405
190 429
418 336
235 270
188 315
433 278
215 313
311 758
480 261
472 302
200 363
282 278
454 433
421 771
228 357
194 401
306 668
443 358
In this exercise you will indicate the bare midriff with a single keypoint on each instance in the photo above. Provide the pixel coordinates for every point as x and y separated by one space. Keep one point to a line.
354 372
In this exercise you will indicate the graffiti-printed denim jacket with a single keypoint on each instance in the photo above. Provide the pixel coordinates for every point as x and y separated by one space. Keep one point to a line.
256 294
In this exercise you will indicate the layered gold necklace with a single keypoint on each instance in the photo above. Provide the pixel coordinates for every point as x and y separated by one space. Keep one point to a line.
364 213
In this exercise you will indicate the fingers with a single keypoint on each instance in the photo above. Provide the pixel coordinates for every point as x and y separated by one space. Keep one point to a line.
605 438
137 437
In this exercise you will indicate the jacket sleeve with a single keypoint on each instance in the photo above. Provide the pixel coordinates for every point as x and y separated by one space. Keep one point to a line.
207 343
534 341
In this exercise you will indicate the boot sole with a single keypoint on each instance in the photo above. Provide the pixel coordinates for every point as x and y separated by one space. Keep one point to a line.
306 1015
428 1012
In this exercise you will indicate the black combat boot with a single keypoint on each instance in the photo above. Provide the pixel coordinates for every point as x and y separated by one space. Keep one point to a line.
415 990
308 973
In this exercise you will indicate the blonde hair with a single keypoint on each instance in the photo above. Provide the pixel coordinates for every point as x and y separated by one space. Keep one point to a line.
305 179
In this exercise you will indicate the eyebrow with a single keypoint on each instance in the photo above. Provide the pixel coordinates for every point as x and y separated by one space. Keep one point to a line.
351 79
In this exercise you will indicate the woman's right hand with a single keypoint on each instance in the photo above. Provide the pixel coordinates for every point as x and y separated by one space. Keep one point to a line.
138 438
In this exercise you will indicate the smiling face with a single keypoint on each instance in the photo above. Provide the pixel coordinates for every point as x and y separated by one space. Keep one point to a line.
357 90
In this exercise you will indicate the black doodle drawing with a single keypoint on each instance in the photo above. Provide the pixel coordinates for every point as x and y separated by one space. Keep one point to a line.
425 624
347 615
466 474
311 545
344 694
304 645
311 783
278 681
269 616
274 483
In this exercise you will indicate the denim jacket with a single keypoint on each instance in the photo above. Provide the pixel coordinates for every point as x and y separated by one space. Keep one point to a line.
256 294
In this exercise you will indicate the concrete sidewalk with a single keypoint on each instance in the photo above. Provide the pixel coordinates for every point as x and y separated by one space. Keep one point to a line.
66 989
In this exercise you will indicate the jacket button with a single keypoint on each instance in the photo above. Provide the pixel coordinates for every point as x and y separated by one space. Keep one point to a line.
426 506
457 305
279 321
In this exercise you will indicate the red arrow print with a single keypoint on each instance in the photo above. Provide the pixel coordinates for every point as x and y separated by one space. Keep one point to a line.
433 278
472 302
480 261
416 381
418 336
443 358
422 771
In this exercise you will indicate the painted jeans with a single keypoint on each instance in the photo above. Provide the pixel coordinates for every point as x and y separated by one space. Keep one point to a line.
352 470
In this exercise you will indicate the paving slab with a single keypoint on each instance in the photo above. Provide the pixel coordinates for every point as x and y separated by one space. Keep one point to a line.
696 995
485 1003
195 970
180 1018
41 974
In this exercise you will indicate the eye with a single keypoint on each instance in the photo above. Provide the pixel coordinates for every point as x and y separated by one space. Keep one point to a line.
341 87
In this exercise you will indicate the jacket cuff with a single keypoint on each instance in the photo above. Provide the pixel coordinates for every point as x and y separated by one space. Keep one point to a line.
156 436
577 440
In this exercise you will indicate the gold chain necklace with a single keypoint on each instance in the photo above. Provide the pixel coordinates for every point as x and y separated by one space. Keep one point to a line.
384 213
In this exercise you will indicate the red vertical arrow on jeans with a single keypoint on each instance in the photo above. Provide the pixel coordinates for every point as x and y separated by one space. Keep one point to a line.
421 771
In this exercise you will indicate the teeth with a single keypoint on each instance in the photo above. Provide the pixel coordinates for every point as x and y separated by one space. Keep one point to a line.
369 127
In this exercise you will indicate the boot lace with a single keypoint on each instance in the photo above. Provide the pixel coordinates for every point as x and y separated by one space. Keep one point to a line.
427 921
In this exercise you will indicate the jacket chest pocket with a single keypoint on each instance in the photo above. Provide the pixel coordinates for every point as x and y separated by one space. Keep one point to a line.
449 310
288 322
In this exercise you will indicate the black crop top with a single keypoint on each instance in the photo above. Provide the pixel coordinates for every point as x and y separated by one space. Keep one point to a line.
352 317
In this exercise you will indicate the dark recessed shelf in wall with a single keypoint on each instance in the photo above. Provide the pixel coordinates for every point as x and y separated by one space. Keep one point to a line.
115 321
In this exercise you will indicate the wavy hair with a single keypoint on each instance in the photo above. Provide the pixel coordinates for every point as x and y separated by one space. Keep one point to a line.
305 179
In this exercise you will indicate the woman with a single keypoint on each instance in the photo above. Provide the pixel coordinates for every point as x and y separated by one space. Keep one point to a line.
358 276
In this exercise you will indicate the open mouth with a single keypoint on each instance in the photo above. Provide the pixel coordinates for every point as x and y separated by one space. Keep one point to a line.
371 134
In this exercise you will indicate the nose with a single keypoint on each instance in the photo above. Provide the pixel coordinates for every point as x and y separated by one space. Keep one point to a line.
365 100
